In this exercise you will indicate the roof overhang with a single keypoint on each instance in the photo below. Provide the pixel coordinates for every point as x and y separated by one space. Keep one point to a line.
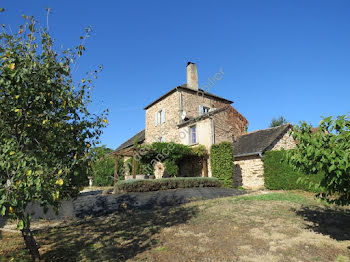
200 92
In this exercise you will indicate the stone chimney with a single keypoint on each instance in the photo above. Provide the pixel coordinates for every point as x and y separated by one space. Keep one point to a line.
192 76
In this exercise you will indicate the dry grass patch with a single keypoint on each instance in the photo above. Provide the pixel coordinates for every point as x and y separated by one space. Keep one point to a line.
269 227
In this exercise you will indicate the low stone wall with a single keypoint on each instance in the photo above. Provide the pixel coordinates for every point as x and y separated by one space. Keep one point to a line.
94 204
249 172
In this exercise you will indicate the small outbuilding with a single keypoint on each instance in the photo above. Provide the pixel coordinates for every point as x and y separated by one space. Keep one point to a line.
249 152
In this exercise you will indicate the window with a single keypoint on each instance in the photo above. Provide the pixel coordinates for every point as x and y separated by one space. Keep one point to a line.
159 117
193 135
203 110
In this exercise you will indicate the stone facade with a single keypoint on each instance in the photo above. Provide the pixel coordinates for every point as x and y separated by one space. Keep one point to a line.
249 172
211 130
168 129
286 142
226 123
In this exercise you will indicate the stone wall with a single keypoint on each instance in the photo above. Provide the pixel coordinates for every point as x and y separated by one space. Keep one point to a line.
249 172
172 118
192 100
285 141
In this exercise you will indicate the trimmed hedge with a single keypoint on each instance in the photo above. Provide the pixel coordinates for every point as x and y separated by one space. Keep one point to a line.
221 161
146 185
279 175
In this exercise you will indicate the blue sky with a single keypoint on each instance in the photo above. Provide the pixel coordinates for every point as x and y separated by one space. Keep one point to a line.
289 58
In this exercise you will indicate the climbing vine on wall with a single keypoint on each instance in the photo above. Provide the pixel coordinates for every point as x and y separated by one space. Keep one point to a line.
221 160
170 154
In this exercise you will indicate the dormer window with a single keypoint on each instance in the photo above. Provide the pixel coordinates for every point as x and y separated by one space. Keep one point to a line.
159 117
203 110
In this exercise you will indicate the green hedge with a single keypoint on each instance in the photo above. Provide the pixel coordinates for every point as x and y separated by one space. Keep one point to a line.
146 185
221 161
279 175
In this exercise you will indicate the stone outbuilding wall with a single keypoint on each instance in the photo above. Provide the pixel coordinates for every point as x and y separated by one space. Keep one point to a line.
249 170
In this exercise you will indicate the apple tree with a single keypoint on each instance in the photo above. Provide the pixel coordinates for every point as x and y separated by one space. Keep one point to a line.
46 129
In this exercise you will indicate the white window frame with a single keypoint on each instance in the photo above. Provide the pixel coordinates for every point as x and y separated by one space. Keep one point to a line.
159 117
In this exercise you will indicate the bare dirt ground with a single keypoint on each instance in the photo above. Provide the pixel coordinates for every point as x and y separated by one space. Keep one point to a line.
277 226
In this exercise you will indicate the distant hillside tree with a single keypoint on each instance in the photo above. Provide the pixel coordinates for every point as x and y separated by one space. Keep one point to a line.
278 121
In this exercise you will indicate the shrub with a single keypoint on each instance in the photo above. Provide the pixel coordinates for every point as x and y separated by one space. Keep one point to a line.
171 168
279 175
146 185
103 171
221 160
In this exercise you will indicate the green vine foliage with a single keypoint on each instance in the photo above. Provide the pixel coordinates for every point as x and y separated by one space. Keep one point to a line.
222 165
325 151
169 153
46 127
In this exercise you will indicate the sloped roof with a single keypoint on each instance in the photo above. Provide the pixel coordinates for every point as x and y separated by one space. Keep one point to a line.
185 88
140 136
258 141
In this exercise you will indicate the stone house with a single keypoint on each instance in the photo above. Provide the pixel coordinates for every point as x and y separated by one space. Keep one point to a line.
249 152
190 116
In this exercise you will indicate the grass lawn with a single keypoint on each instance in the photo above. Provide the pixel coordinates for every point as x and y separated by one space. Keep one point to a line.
276 226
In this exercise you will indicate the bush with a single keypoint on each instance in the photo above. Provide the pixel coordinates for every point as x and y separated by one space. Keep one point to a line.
221 160
146 185
171 168
279 175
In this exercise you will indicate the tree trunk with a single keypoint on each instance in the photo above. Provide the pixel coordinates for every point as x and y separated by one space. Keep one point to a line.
31 244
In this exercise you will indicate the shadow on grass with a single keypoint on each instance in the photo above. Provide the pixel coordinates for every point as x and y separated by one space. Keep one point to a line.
2 224
117 237
332 222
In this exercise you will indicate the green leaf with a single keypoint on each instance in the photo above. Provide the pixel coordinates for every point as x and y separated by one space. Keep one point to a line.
20 224
3 211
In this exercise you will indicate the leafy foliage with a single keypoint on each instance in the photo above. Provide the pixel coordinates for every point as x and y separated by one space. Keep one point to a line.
46 128
222 165
280 175
169 153
328 151
146 185
278 121
103 166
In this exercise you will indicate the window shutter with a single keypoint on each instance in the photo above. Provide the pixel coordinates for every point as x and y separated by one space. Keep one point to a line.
156 118
163 116
201 110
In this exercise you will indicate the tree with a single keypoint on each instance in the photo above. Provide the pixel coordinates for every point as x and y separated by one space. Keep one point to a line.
103 164
278 121
46 128
327 151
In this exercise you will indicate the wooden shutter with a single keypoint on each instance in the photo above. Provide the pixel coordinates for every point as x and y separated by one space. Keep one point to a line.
201 110
156 118
162 116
